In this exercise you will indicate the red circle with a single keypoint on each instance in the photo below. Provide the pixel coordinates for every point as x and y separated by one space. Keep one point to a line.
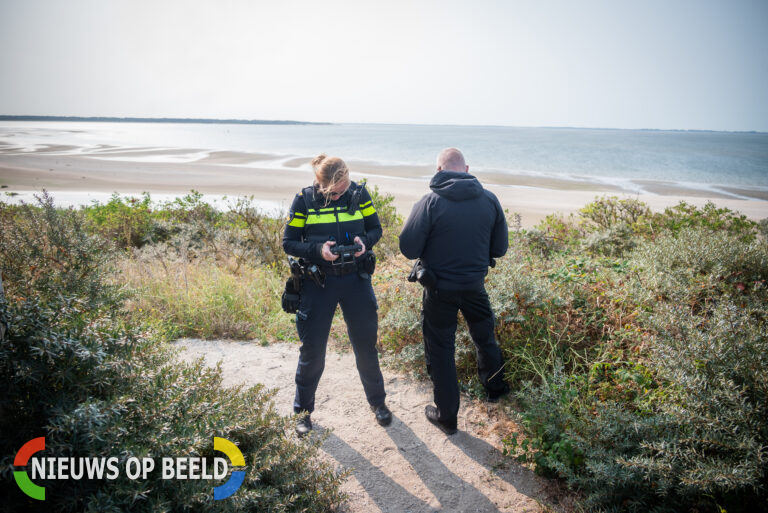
28 449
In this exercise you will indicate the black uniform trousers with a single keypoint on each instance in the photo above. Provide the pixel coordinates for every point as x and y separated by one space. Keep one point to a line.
439 320
313 321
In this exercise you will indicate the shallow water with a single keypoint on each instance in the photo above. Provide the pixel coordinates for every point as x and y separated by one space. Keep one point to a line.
693 159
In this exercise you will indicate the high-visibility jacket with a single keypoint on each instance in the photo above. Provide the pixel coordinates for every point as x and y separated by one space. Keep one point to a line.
312 222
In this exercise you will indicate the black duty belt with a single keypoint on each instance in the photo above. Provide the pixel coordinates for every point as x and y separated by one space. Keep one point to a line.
340 270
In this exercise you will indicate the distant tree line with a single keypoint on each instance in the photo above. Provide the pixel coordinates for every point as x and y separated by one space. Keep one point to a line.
158 120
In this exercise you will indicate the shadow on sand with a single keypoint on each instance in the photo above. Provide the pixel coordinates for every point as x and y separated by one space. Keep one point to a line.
453 493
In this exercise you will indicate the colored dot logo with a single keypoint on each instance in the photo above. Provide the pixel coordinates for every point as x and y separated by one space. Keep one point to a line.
238 476
21 476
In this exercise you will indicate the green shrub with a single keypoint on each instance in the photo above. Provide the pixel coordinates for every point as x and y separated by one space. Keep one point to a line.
762 228
554 233
49 254
188 227
391 223
608 212
95 386
127 221
526 309
399 309
614 241
259 238
709 217
675 417
544 244
696 267
190 208
635 217
717 413
547 421
586 441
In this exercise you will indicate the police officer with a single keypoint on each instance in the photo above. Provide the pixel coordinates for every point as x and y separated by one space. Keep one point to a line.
456 230
335 212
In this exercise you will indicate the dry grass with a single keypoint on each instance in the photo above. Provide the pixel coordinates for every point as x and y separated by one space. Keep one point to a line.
204 299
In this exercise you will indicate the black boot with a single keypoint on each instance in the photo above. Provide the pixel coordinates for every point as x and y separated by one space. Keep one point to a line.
446 427
383 415
303 425
495 395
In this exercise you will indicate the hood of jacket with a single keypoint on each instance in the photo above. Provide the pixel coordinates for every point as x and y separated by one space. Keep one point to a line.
455 186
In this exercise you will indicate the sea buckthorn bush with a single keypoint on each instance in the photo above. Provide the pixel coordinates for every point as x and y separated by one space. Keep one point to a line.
665 408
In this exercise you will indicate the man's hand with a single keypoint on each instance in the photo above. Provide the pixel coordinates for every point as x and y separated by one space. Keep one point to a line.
326 251
359 241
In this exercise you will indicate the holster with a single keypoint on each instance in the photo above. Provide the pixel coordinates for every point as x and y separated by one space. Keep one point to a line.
421 274
367 264
291 297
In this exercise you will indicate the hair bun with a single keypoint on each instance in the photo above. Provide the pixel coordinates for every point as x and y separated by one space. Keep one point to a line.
319 159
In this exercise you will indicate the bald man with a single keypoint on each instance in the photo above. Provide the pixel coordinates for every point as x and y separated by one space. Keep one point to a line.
456 230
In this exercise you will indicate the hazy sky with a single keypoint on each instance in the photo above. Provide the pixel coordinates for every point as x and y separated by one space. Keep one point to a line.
688 64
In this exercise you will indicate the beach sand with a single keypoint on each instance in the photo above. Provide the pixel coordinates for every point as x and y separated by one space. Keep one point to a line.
108 169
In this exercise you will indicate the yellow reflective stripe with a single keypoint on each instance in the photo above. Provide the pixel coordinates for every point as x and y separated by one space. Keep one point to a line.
299 214
343 216
369 211
298 223
331 218
321 218
363 205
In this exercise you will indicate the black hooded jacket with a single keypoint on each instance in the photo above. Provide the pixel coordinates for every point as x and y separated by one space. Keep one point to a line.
456 229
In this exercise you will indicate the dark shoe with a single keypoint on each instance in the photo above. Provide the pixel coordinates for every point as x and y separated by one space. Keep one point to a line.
493 397
303 425
383 415
448 428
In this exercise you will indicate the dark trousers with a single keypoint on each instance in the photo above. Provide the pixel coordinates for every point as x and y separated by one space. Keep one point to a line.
313 321
439 311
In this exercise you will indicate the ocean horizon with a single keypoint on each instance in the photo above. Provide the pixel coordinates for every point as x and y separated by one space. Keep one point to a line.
240 121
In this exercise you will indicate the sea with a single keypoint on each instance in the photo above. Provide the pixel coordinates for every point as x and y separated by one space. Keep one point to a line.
694 159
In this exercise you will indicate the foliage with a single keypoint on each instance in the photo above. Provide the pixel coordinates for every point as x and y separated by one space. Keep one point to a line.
399 307
189 227
763 229
709 217
96 386
607 212
667 410
553 234
201 298
614 241
127 221
260 237
50 254
716 439
637 342
391 222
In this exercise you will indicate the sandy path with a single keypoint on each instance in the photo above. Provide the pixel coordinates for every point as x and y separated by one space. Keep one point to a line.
409 466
